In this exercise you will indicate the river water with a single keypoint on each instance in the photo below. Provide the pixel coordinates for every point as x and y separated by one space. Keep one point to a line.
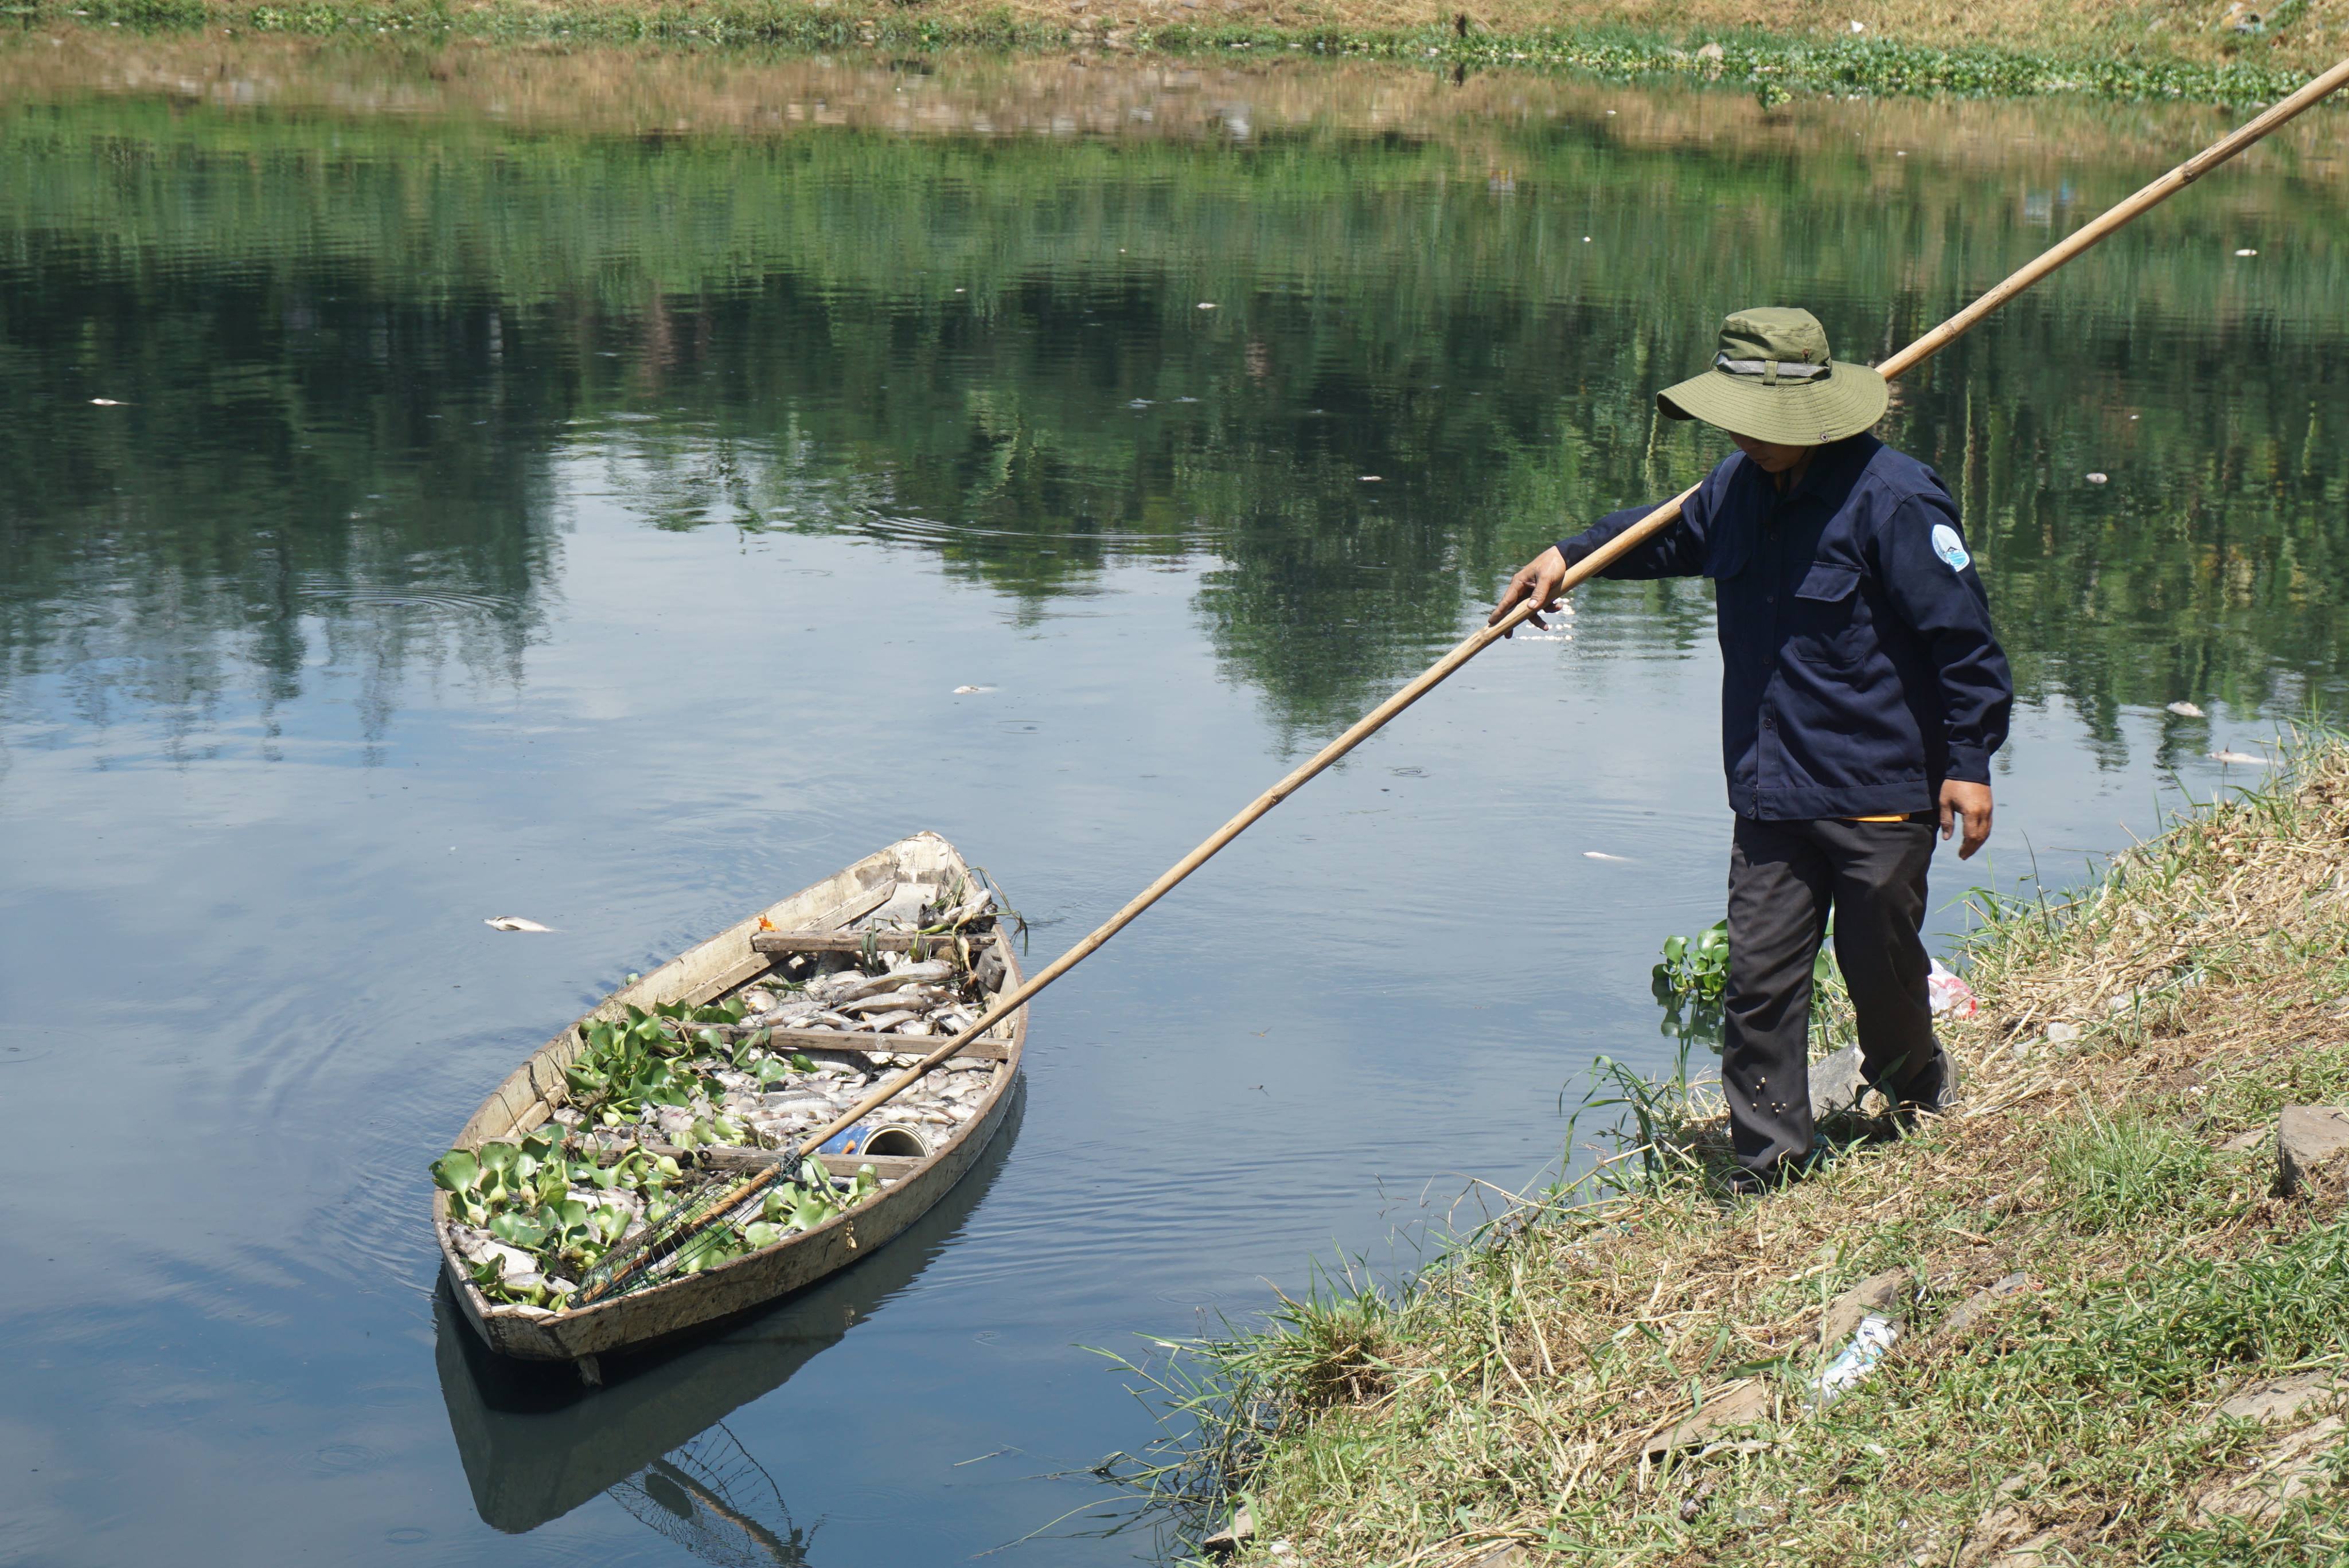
439 484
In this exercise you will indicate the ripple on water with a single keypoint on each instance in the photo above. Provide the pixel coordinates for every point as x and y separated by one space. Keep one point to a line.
343 1459
428 599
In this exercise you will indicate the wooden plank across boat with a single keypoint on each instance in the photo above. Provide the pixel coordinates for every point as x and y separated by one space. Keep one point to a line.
922 868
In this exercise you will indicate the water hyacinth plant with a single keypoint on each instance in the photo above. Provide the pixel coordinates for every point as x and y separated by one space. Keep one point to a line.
555 1205
562 1209
1694 975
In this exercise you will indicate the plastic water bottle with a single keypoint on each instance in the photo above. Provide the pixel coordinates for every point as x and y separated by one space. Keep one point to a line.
1865 1347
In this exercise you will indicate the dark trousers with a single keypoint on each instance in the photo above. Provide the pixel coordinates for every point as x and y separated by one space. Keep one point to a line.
1783 879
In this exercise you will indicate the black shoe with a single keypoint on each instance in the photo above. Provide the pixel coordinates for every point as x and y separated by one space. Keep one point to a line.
1937 1090
1930 1091
1741 1182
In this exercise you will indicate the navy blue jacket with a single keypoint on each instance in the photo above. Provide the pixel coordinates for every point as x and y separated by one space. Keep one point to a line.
1858 669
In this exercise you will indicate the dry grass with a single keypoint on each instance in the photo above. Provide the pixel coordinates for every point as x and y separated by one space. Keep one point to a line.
2226 51
1489 120
1508 1395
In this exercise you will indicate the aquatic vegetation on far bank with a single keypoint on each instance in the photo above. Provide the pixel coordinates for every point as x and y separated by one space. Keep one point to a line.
1775 68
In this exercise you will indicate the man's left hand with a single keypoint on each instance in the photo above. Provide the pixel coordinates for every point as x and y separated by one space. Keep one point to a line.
1971 802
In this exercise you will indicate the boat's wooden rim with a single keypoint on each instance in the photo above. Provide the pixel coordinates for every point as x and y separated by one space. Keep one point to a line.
530 1094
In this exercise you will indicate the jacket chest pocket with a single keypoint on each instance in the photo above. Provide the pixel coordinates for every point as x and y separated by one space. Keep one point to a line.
1826 623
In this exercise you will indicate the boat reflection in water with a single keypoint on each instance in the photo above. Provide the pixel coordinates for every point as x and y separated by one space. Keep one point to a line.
535 1444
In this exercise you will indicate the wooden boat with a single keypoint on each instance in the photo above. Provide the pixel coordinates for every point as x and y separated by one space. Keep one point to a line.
534 1445
833 916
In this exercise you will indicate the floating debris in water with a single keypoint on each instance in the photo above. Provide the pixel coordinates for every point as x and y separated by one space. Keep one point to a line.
513 922
2239 759
1206 304
1603 855
971 690
2096 479
2247 251
106 403
2185 710
1373 480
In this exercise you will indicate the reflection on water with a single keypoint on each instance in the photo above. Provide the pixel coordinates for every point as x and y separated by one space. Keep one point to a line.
440 484
1351 382
715 1500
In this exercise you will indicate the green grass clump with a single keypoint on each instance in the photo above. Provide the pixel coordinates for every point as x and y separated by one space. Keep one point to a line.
2124 1170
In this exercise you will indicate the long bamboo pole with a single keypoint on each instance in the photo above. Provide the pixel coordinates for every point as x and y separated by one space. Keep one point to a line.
1435 674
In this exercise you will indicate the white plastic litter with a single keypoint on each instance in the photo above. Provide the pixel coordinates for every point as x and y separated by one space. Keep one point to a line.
1861 1352
1948 993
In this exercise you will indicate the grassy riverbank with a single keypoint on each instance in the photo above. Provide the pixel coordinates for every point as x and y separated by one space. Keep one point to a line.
2154 49
1520 1391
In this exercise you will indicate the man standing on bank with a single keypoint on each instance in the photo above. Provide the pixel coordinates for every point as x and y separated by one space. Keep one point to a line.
1862 694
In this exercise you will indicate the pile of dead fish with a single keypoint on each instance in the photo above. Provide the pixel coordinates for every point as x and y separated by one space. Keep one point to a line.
904 996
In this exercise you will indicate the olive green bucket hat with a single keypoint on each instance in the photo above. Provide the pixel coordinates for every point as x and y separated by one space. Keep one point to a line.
1772 379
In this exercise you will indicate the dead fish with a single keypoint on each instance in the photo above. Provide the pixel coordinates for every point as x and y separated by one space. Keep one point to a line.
783 1012
881 1021
928 972
2240 758
516 1262
2097 478
2185 710
912 999
971 690
971 908
111 403
1603 855
758 1001
513 922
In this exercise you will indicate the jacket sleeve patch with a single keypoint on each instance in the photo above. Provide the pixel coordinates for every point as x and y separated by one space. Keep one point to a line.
1949 547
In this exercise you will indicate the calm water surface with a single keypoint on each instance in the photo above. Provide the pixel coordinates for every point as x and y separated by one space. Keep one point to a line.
437 486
